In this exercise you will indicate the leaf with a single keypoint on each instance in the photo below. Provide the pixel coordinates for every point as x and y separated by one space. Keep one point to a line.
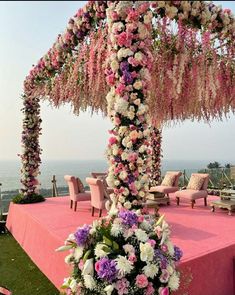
115 245
160 220
86 255
107 241
64 248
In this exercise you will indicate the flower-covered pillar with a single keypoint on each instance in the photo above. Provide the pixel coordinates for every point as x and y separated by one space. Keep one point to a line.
129 61
30 147
155 140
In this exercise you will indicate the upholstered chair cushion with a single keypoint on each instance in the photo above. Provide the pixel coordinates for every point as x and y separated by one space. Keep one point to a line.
168 180
80 186
196 182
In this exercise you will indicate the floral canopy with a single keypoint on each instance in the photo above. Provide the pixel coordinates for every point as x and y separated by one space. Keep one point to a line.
141 63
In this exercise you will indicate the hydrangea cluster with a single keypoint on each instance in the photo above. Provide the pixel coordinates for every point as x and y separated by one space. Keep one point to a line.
128 253
130 60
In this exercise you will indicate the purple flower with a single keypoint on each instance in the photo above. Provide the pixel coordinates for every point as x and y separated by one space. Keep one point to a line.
158 255
124 66
81 235
128 217
106 269
178 253
127 77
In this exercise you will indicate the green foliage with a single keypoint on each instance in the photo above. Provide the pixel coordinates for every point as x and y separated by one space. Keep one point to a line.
213 165
34 198
18 273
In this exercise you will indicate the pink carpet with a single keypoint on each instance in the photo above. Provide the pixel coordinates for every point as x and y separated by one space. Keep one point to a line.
207 240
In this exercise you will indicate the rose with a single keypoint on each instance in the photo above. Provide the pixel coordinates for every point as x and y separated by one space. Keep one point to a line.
163 291
141 281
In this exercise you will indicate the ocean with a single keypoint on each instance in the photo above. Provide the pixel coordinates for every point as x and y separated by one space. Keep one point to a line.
10 170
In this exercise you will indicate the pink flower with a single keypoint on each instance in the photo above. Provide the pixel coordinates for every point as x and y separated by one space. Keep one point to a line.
141 281
134 62
122 286
152 242
163 291
120 88
164 248
114 15
124 39
164 276
149 290
97 266
117 121
110 79
81 264
132 157
132 258
132 16
112 140
141 218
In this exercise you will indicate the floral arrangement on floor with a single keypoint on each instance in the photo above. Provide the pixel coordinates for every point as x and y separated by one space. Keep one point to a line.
125 253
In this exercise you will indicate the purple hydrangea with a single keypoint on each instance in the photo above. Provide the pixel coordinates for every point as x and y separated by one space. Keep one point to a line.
158 255
82 234
178 253
128 217
106 269
124 66
127 77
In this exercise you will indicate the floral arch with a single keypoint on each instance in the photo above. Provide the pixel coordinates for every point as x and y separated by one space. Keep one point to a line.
142 63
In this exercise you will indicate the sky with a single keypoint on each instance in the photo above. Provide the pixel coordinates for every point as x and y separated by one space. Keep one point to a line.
27 31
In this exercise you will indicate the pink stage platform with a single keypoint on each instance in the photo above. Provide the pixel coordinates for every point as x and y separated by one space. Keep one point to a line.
207 240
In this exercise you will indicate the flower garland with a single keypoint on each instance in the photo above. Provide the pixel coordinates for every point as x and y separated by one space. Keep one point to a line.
31 148
128 76
127 253
156 140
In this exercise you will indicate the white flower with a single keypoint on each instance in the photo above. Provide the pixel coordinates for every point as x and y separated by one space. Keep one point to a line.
129 249
114 65
73 285
174 282
122 199
78 252
143 31
124 52
123 265
68 258
99 251
116 229
123 175
127 205
89 282
88 268
150 270
138 85
141 235
170 247
146 252
145 225
139 56
121 106
171 11
124 156
118 26
148 17
109 289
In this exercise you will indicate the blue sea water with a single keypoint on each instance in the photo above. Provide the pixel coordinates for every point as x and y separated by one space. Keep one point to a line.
10 170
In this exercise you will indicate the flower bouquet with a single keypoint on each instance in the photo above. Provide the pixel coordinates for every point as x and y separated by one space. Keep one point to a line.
127 253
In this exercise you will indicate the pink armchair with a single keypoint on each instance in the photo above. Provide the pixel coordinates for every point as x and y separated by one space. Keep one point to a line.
191 192
167 189
76 194
98 194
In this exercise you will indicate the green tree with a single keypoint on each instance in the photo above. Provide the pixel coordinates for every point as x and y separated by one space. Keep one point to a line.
213 165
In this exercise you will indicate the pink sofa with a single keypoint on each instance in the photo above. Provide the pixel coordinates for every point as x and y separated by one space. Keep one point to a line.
168 189
192 194
74 193
98 194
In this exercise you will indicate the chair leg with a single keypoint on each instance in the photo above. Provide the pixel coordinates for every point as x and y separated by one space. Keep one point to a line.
192 203
205 201
177 201
75 206
100 212
92 211
71 204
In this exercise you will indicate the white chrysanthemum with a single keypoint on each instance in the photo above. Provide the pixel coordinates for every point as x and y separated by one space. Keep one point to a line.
121 199
68 258
124 52
150 270
89 282
78 252
141 235
174 282
116 230
123 265
99 251
146 252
